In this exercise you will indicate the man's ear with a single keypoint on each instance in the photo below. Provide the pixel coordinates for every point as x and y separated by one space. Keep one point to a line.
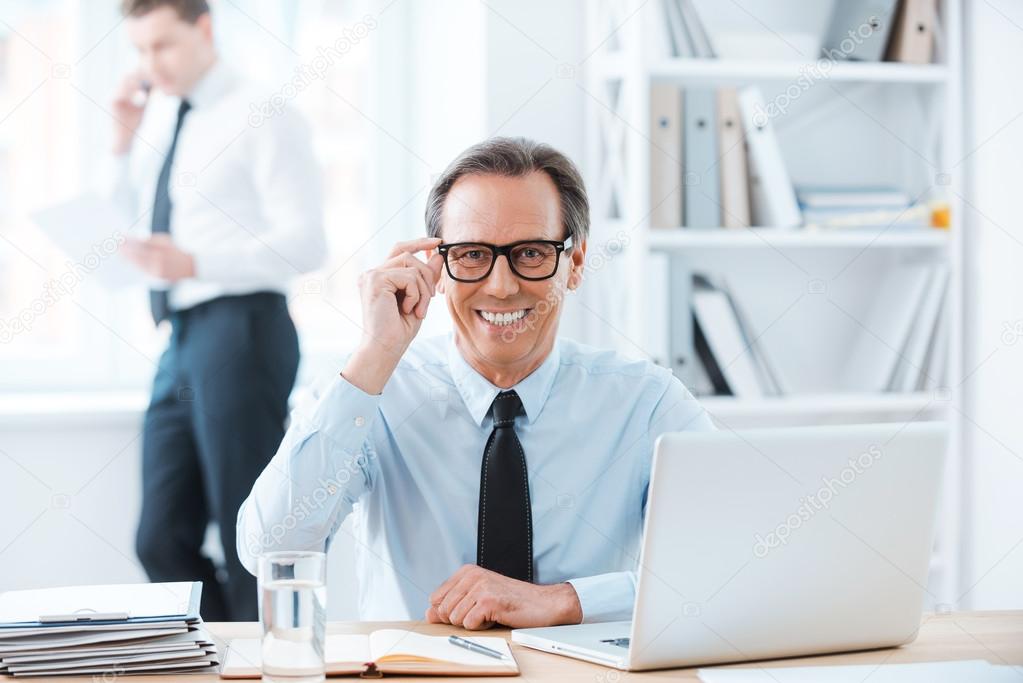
578 261
204 22
440 281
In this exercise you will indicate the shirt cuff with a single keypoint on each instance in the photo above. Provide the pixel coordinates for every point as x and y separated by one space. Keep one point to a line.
346 413
606 597
215 266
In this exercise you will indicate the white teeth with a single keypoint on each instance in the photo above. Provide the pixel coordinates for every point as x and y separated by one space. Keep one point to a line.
502 318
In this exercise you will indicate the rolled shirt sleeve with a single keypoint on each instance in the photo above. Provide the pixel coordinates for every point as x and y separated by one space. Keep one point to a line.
325 463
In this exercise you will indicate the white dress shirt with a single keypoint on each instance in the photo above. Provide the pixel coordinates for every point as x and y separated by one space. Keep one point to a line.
246 195
407 463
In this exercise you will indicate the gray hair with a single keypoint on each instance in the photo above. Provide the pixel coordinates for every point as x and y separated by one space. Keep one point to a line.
513 158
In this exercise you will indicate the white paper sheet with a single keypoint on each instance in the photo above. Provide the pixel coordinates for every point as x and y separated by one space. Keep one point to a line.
90 231
974 671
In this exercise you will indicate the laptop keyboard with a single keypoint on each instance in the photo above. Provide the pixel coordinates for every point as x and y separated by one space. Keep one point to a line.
620 642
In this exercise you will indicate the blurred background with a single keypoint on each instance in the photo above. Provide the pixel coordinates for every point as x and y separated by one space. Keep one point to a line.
409 85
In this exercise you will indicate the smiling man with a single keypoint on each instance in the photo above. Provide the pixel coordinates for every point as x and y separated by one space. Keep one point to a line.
497 474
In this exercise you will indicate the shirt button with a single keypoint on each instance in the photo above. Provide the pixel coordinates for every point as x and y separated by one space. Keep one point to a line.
359 421
332 489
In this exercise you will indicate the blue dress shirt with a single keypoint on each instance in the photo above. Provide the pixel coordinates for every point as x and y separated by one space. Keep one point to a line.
407 462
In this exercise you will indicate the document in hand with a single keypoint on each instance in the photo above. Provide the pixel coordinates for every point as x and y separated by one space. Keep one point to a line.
90 231
386 651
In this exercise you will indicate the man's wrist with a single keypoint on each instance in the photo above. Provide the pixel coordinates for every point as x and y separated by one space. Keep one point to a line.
569 609
122 145
370 368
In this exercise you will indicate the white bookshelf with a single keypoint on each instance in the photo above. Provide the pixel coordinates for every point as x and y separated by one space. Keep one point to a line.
865 123
668 240
722 72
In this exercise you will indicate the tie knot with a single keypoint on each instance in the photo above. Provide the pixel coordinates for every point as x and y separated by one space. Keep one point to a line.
183 109
506 407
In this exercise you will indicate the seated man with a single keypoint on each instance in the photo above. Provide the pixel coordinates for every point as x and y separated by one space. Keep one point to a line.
497 474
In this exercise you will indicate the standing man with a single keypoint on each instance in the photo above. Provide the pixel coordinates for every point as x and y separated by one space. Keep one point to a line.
235 210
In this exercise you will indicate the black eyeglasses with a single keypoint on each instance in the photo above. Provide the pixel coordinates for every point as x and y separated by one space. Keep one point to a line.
528 259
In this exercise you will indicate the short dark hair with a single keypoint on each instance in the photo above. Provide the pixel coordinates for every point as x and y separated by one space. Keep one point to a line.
516 157
188 10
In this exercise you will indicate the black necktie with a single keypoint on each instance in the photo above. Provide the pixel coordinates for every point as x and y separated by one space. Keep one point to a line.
159 302
504 527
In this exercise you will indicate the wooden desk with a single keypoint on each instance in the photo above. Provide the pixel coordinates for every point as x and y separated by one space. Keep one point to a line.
994 636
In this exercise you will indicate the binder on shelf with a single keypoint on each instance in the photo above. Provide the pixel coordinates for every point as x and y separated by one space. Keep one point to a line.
726 341
660 298
678 36
680 287
912 39
734 176
859 30
772 197
698 37
937 354
885 329
666 195
702 185
770 378
912 362
716 378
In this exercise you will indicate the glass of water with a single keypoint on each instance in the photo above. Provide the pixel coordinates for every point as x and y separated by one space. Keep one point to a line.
293 610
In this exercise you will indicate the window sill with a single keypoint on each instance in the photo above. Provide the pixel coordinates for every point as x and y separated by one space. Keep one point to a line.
76 408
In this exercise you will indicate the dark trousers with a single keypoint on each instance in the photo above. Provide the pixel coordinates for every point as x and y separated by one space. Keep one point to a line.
215 420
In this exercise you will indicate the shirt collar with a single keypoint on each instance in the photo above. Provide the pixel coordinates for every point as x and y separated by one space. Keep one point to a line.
214 83
478 393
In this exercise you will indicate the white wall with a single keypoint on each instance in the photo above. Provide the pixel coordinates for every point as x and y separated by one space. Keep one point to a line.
993 527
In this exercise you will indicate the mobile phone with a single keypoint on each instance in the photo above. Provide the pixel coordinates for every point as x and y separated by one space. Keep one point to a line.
140 96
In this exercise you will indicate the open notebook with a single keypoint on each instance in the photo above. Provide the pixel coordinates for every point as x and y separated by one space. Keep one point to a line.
387 651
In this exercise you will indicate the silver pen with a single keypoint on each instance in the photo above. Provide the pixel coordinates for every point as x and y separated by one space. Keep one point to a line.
476 647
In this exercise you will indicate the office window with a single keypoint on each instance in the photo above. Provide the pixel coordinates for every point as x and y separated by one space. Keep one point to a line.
60 62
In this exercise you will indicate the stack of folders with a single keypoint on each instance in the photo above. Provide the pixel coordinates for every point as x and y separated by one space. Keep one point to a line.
836 208
716 162
108 630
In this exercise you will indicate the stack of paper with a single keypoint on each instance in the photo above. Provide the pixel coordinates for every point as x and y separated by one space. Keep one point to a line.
114 629
974 671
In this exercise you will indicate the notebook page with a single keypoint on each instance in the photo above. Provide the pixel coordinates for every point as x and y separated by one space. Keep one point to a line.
399 644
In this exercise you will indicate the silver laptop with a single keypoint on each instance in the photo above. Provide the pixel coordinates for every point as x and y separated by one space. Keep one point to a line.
775 543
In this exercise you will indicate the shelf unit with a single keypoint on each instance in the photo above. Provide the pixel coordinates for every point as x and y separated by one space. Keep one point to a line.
913 113
668 240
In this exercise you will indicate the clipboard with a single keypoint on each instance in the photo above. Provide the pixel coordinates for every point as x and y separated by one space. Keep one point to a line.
102 604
